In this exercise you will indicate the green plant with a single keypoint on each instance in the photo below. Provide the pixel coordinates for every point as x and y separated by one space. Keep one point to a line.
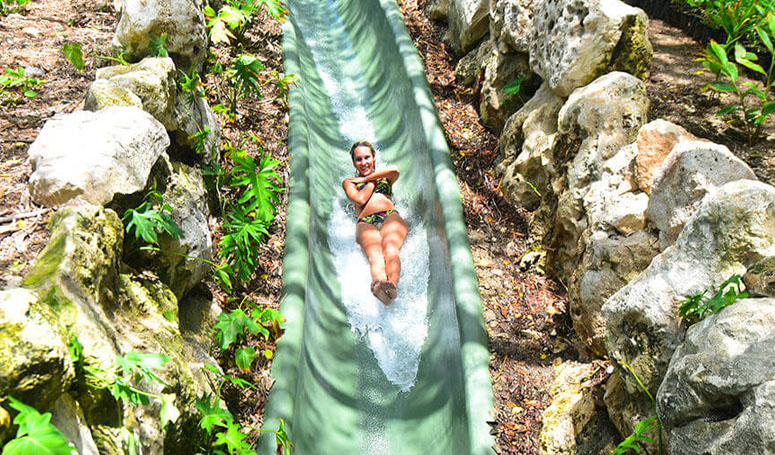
715 58
513 87
35 435
283 85
7 6
156 45
219 426
16 79
119 58
74 55
232 327
637 441
243 79
150 219
235 16
692 308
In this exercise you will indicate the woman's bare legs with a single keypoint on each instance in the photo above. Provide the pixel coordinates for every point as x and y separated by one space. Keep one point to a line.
369 238
393 233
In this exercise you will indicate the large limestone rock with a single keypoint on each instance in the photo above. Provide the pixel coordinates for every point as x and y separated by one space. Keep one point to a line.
180 264
35 365
511 22
655 142
94 155
595 123
574 392
437 9
572 42
500 69
468 23
732 229
527 145
193 116
68 417
181 20
152 81
688 174
718 395
113 312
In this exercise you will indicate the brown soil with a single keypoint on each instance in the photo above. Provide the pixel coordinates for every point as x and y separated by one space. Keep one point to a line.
525 312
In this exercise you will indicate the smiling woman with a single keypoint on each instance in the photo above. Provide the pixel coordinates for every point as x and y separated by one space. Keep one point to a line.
380 230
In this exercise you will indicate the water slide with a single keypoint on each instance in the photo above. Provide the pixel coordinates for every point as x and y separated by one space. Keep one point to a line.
353 376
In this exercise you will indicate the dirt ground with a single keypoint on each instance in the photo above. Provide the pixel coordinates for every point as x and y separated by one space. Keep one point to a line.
525 312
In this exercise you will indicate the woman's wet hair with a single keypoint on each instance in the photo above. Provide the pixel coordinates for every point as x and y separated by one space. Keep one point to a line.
357 144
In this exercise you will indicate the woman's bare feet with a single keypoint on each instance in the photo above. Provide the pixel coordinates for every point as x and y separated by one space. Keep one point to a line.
382 290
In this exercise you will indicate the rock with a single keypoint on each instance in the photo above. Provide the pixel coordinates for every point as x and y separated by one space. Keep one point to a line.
759 279
511 24
526 145
437 9
688 174
112 313
655 142
180 263
572 407
501 69
718 395
468 23
595 123
35 365
152 81
469 69
68 417
94 155
191 116
596 35
181 20
733 228
626 411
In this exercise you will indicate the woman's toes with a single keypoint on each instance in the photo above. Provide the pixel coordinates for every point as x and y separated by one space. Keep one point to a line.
390 289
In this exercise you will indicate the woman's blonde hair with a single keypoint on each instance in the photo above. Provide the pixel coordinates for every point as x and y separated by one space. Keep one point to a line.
357 144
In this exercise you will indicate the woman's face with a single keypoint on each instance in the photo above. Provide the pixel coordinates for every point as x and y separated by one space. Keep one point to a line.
363 160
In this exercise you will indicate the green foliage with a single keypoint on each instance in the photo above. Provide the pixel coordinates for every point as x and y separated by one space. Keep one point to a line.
260 192
233 326
715 57
36 435
73 54
234 18
283 86
15 79
119 58
637 441
150 219
513 87
11 6
156 45
693 309
243 79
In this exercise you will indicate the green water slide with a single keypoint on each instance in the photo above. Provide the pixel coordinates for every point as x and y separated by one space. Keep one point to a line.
413 378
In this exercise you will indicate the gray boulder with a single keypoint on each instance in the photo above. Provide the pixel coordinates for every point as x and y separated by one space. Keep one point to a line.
468 23
468 70
718 395
181 20
511 24
152 81
732 229
655 142
437 9
94 155
193 116
527 145
688 174
574 42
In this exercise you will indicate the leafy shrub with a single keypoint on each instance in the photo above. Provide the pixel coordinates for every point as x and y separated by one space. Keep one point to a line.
235 16
151 218
156 45
10 6
36 435
715 58
638 442
233 326
693 308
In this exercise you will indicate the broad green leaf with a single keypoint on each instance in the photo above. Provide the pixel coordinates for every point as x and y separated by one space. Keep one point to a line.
755 91
212 413
169 412
752 66
768 108
233 438
275 8
727 110
219 33
73 54
230 326
513 87
765 38
739 52
36 435
244 357
722 87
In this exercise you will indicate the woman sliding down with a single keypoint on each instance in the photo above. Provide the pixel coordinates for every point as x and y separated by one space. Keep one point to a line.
380 230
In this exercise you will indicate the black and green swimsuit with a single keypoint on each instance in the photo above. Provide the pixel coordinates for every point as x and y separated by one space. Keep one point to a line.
376 219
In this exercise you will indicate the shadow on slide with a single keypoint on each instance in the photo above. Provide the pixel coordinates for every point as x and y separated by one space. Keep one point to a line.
353 376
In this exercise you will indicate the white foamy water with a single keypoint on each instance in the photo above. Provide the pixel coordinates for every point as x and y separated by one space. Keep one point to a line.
395 334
